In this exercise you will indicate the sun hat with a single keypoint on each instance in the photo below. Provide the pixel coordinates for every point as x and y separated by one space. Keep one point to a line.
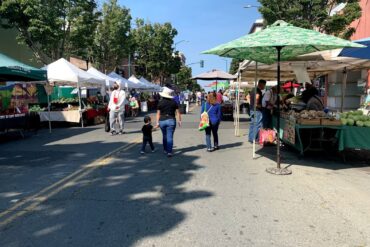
167 93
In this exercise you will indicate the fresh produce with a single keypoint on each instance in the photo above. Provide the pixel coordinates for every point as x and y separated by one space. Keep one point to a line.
353 118
350 122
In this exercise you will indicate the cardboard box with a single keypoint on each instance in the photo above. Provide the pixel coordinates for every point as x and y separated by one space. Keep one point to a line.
330 122
315 121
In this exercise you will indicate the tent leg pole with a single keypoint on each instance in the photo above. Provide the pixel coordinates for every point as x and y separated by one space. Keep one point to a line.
278 170
49 113
80 105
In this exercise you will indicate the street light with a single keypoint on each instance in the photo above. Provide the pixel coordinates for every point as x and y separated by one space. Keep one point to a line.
226 62
180 42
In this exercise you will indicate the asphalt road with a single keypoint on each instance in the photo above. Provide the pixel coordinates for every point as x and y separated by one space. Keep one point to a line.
81 187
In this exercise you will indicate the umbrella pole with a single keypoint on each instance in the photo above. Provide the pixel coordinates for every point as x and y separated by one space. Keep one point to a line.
254 110
278 170
344 84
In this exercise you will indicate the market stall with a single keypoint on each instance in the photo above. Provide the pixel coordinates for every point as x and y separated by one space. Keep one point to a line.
16 97
62 72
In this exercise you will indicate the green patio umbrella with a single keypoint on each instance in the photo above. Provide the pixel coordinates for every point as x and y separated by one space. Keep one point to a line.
280 41
13 70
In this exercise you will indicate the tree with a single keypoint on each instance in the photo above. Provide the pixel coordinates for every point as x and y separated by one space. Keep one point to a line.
52 28
183 78
234 66
313 14
154 55
112 39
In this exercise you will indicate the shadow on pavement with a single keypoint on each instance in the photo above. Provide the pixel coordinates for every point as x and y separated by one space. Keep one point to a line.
120 204
326 160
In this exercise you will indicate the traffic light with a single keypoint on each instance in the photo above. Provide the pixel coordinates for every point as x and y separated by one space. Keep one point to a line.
202 63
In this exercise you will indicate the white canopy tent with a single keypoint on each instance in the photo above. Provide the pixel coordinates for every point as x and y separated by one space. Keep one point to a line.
127 83
154 87
138 83
109 81
64 72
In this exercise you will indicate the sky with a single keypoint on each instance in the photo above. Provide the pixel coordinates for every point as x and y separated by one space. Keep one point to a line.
203 24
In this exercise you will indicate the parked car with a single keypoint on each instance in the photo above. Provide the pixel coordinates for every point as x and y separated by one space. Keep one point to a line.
227 110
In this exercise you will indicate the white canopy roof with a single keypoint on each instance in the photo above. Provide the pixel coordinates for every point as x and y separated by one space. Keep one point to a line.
138 83
63 71
155 87
124 81
109 81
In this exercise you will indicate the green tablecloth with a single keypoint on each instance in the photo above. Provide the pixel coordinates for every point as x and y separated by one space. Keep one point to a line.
298 145
354 137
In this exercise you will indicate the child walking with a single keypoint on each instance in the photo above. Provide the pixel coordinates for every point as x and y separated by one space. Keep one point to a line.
147 134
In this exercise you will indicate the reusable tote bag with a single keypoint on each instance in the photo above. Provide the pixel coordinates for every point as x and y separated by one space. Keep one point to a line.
204 119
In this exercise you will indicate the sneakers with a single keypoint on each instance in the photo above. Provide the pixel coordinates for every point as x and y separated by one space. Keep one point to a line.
153 151
169 155
210 150
122 133
112 133
142 152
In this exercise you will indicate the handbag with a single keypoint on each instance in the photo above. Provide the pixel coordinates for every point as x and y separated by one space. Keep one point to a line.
204 119
267 136
107 123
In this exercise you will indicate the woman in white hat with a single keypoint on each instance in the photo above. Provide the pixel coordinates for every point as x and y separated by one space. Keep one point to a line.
116 108
166 118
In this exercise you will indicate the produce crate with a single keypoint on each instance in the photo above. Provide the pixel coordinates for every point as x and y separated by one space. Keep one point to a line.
315 121
330 122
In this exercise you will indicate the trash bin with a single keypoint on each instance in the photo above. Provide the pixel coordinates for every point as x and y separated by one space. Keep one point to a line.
244 110
144 106
182 108
187 106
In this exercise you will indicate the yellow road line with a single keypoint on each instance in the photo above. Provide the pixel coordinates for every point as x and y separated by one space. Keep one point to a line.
38 198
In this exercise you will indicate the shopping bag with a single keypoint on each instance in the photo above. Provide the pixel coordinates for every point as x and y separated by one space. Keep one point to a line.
107 123
204 119
267 136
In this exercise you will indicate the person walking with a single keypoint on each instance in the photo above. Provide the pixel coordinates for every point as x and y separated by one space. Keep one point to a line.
256 116
166 119
147 130
213 108
116 108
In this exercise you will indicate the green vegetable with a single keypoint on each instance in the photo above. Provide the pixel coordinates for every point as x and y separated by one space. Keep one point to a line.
359 123
350 122
344 121
367 124
359 113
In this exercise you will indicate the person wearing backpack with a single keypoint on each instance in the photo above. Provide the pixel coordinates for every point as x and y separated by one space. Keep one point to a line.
213 109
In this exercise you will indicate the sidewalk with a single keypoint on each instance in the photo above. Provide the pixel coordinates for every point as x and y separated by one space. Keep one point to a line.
224 198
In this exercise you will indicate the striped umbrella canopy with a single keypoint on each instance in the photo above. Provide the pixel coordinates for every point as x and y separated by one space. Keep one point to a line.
295 41
279 42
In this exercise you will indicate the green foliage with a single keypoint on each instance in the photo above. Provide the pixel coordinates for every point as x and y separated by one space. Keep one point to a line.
154 54
52 28
235 65
183 78
112 39
313 14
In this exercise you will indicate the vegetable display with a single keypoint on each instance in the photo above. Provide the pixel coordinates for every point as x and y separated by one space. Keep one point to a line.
355 118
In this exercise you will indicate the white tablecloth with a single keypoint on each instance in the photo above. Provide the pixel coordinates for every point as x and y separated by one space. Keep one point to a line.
61 116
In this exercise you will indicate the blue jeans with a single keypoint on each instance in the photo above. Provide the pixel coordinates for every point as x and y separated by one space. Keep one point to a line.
255 127
147 140
213 128
168 129
266 118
